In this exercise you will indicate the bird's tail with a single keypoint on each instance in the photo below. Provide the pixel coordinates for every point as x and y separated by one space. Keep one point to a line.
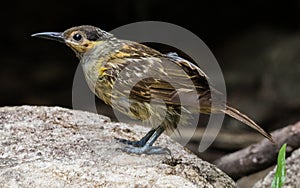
245 119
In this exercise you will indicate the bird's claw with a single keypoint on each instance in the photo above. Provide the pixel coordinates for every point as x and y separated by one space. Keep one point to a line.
149 150
139 143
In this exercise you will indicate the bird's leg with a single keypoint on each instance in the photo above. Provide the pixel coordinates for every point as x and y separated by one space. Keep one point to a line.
147 148
139 143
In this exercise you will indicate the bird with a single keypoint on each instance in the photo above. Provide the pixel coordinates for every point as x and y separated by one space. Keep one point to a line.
104 57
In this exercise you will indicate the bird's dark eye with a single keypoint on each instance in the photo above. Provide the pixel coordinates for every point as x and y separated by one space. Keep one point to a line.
77 37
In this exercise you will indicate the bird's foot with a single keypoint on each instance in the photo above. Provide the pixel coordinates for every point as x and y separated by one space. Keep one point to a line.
149 150
144 146
139 143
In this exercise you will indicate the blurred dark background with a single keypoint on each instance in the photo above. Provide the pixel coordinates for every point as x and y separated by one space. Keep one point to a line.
257 45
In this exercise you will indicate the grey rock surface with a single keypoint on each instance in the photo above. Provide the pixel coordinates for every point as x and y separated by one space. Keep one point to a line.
292 179
58 147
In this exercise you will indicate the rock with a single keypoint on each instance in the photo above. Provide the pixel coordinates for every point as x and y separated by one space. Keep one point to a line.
292 173
58 147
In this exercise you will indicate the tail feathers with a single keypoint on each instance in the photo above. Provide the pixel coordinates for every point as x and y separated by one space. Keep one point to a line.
246 120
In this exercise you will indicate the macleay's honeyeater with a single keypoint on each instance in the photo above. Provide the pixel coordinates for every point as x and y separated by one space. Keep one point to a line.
104 57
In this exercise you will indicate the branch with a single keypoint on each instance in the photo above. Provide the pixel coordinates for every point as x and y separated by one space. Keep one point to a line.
261 155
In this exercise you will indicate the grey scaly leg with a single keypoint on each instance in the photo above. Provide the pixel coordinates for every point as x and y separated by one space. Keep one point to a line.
147 148
139 143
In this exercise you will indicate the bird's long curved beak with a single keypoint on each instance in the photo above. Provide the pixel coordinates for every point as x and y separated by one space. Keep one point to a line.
57 36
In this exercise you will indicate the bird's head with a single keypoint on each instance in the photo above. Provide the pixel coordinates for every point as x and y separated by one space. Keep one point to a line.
80 39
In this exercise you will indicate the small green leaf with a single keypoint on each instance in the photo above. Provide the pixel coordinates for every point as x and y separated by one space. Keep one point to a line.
280 173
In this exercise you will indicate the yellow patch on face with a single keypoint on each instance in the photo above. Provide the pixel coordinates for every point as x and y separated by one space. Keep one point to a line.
82 47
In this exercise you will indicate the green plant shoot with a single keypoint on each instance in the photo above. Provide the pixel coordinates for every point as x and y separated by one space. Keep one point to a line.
280 173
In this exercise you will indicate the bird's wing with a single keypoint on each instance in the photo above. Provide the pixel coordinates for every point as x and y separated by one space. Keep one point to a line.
146 75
